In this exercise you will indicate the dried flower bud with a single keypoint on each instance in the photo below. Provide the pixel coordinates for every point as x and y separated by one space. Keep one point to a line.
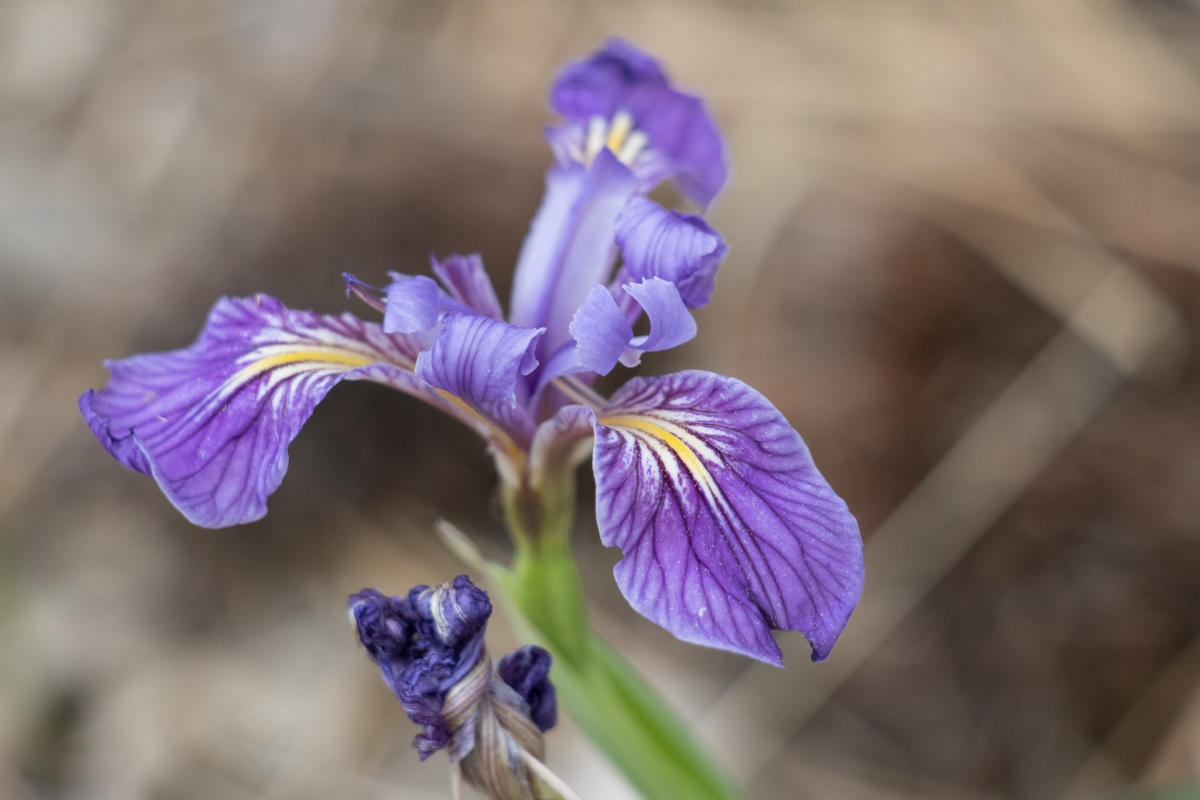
429 648
528 672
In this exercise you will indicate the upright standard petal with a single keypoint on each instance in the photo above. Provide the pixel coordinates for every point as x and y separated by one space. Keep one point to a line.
211 423
727 528
468 282
570 247
481 361
681 140
680 248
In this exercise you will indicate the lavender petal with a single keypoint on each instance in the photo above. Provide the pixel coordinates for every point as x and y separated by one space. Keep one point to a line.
603 335
468 282
570 247
680 248
600 332
561 443
727 528
211 423
670 322
412 304
620 77
481 361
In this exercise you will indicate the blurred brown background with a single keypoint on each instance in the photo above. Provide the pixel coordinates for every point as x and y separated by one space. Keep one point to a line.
965 241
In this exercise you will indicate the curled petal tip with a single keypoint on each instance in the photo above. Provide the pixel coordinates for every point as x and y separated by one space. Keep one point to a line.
680 248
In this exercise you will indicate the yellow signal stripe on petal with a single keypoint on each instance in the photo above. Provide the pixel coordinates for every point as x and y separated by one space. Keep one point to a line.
648 426
333 358
339 357
659 431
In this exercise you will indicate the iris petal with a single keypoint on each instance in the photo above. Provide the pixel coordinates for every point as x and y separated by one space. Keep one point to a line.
680 131
480 361
600 332
603 336
570 246
468 282
680 248
670 322
212 422
412 304
527 671
727 528
561 443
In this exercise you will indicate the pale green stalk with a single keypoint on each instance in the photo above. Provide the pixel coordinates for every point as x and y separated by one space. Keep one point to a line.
605 696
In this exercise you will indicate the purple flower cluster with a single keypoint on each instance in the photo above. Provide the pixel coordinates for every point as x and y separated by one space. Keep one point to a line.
728 529
430 641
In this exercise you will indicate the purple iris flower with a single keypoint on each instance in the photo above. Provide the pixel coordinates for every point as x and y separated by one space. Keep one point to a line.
727 528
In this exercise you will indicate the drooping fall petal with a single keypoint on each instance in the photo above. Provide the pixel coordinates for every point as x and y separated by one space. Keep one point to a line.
727 528
211 423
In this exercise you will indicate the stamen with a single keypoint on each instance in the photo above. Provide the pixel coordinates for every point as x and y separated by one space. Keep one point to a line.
595 139
622 124
632 148
616 134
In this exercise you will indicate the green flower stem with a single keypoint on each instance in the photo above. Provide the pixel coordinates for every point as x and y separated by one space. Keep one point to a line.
605 696
544 581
